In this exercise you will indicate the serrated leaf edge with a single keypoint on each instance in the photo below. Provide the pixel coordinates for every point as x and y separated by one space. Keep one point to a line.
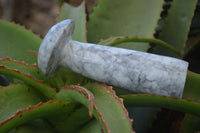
30 78
119 40
88 95
139 100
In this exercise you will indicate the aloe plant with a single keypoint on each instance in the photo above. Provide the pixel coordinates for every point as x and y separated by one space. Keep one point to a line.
69 102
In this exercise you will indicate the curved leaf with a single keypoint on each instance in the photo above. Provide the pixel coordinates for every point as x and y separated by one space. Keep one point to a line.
74 122
49 110
40 86
142 100
15 41
32 70
102 108
92 127
110 110
75 93
70 77
35 126
16 97
192 87
124 17
114 41
177 25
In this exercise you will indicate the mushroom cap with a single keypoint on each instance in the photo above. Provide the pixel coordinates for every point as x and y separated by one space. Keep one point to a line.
49 55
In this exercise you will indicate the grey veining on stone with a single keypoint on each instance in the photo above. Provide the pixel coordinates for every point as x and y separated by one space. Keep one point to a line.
49 52
136 71
132 70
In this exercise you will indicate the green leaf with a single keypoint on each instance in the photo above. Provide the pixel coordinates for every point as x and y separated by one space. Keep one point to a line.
176 27
78 15
35 126
192 87
75 93
144 100
15 41
114 41
110 110
102 108
91 127
40 86
33 70
70 77
124 17
75 121
16 97
49 110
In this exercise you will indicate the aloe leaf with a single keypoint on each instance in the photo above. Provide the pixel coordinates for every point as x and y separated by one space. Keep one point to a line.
35 126
48 110
75 93
16 97
144 100
79 94
75 121
40 86
15 41
192 87
105 101
79 16
176 27
91 127
70 77
114 41
124 17
102 108
21 66
33 70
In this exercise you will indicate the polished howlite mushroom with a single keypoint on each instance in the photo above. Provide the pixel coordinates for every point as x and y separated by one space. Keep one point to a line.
128 69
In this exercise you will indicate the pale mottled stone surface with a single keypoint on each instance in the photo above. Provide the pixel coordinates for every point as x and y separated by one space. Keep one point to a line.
136 71
49 53
132 70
